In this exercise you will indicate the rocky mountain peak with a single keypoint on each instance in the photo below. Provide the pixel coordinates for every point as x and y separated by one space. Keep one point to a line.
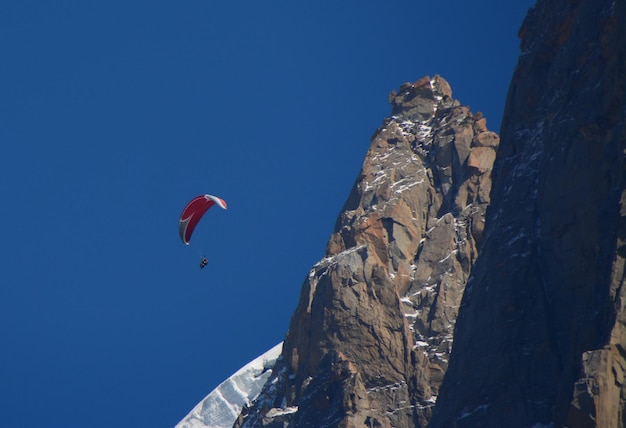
369 341
418 100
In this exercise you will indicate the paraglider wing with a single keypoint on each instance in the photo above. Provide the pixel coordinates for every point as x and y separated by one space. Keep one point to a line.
193 212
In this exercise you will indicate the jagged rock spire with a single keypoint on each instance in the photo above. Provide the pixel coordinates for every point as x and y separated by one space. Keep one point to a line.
369 341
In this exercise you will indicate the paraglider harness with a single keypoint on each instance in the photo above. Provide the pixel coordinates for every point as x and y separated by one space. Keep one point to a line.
203 262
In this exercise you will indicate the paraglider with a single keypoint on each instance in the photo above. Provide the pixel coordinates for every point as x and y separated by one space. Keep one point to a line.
192 214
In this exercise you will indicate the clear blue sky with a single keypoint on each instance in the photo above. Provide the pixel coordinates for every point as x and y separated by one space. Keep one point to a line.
113 114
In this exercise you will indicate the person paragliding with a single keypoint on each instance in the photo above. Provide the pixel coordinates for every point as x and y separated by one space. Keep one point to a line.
191 216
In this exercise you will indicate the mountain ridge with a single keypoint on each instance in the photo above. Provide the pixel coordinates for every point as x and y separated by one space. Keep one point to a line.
220 408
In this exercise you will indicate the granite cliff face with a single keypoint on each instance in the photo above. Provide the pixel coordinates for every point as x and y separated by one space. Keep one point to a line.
548 284
369 341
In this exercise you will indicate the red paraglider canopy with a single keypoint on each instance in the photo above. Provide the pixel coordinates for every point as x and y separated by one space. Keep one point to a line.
193 212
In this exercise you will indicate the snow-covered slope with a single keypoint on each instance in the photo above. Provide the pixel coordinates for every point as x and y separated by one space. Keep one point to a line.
222 406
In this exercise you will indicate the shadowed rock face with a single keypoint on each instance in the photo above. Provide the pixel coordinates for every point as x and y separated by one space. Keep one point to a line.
540 337
369 341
